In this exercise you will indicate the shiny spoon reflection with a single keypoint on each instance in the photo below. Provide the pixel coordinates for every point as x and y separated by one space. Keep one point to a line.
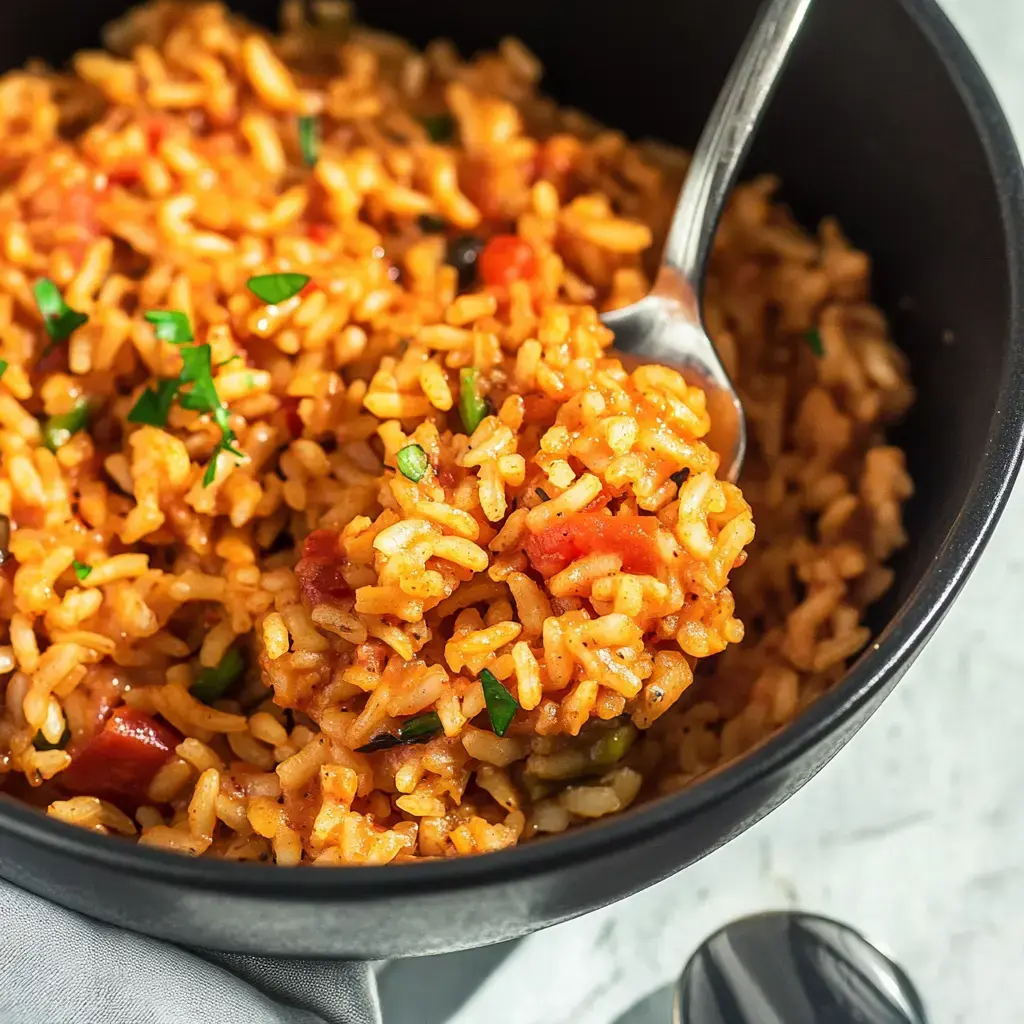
793 968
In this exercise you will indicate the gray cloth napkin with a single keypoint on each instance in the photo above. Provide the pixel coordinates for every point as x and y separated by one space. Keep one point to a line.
59 967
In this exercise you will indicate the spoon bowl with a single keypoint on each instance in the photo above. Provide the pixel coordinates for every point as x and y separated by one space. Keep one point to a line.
793 968
666 326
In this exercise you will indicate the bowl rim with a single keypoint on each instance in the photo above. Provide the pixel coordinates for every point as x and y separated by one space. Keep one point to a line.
917 617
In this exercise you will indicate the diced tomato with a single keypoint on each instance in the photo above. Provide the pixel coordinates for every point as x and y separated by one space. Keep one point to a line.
507 258
119 762
631 537
308 289
318 232
292 419
319 570
126 175
321 544
156 132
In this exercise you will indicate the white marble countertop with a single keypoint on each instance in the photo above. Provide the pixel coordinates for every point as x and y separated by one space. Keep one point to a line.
914 834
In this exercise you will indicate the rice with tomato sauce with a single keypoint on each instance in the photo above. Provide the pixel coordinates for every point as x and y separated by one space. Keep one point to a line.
333 530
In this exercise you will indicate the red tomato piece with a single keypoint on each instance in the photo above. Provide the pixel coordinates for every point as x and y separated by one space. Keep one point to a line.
119 762
156 131
319 570
631 537
125 175
292 419
507 258
318 232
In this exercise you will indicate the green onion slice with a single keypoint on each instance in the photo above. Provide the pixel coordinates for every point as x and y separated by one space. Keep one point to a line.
82 570
473 407
3 366
275 288
213 683
58 430
413 730
40 742
171 325
430 224
501 705
60 319
412 462
814 343
309 139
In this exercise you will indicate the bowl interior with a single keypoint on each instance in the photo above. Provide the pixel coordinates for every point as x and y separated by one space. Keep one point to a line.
867 125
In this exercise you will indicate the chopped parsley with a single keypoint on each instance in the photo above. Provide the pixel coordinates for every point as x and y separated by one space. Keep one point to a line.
58 430
213 683
440 127
413 730
275 288
3 366
473 407
154 404
309 139
171 325
60 319
82 570
501 705
412 462
814 343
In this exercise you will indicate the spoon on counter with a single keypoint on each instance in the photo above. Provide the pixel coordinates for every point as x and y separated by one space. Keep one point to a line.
793 968
666 326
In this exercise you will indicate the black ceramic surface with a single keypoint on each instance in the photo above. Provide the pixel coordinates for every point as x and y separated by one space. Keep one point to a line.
884 119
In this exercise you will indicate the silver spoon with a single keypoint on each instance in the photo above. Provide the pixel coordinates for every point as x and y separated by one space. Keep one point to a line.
793 968
666 326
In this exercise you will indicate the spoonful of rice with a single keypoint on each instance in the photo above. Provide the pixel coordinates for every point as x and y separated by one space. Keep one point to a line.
667 326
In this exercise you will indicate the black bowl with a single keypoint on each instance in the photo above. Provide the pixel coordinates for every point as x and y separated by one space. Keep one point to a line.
884 119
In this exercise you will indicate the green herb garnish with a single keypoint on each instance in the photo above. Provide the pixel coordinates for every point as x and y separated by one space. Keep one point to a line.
82 570
3 366
440 127
197 370
309 139
60 319
171 325
213 683
40 742
58 430
501 705
412 462
275 288
814 343
432 225
473 407
230 359
154 404
413 730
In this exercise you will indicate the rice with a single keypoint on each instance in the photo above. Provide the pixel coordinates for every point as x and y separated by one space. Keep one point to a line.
431 573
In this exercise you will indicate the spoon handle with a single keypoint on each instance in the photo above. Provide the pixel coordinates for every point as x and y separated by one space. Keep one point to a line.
727 134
